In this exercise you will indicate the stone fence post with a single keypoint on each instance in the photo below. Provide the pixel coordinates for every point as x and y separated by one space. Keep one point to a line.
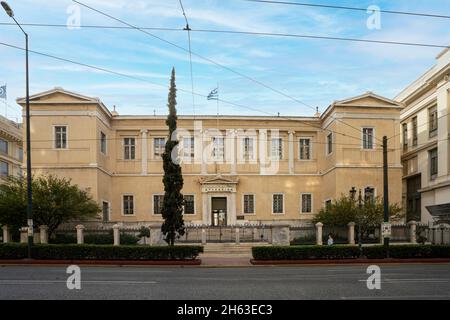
116 233
203 236
281 234
238 239
412 231
80 234
43 236
319 226
351 233
23 235
6 234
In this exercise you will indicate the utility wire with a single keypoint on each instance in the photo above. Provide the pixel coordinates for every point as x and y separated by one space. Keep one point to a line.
188 29
206 59
255 33
317 5
164 86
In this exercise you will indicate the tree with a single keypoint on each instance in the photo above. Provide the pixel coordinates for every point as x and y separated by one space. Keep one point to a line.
144 233
344 210
172 208
55 201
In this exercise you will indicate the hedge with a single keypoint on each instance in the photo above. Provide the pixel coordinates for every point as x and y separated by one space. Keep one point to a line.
349 252
98 252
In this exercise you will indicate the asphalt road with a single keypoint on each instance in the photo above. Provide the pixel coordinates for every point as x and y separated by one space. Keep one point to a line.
415 281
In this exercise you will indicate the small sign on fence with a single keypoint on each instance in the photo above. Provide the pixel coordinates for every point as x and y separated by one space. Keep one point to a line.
386 229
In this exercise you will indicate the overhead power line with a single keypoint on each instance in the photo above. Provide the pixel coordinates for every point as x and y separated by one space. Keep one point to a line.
188 29
250 33
317 5
209 60
179 88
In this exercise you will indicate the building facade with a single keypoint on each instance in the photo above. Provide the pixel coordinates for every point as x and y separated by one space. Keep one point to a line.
236 169
425 142
11 149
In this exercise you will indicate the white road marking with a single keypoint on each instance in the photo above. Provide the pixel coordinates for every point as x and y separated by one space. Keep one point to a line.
32 282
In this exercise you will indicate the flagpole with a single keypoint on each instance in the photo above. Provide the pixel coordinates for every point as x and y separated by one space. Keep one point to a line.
217 105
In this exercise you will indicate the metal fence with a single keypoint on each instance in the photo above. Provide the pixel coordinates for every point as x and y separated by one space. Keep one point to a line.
226 234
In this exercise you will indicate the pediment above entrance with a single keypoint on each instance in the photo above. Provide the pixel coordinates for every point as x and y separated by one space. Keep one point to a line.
218 184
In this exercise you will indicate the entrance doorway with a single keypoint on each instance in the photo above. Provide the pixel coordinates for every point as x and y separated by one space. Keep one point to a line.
219 211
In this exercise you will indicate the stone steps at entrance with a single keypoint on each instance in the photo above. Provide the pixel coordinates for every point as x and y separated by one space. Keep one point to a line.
230 249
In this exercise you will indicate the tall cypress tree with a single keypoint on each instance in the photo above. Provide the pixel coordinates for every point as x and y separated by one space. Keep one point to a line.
172 209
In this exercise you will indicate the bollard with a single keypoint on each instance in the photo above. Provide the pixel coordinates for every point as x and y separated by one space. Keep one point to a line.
319 226
351 233
116 232
80 234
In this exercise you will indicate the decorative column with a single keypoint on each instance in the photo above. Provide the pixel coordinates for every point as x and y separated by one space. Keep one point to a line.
205 212
204 155
116 233
262 150
231 145
291 152
412 231
43 234
144 149
319 226
351 233
6 234
232 220
198 143
80 234
238 240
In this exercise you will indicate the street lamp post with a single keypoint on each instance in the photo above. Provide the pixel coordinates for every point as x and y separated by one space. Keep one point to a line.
10 13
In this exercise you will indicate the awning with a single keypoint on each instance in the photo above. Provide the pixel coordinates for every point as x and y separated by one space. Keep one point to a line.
439 210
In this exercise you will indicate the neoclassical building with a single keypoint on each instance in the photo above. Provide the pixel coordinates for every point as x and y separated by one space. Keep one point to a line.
237 169
11 150
425 139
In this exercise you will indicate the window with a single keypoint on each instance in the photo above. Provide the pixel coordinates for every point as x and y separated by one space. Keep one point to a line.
158 200
249 204
189 204
414 132
128 205
218 148
4 170
20 153
367 138
405 136
60 137
188 148
277 149
306 203
433 121
369 194
102 143
305 149
105 211
248 149
159 145
129 145
277 204
433 163
330 143
3 146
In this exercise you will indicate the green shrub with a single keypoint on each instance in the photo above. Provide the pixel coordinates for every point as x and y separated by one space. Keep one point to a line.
99 252
349 252
305 252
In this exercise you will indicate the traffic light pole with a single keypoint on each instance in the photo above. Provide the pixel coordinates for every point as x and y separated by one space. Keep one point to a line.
385 191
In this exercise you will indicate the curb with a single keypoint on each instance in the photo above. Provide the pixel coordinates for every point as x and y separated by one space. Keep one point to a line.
195 262
348 261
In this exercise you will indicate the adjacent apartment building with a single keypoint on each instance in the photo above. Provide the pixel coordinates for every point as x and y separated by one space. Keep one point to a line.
425 143
11 150
237 169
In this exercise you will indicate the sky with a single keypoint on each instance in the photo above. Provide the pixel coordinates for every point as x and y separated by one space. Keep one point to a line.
292 76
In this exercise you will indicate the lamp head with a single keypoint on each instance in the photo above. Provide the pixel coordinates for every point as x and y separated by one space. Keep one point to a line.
7 9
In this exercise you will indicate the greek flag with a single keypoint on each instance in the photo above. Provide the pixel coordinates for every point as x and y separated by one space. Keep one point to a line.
3 92
214 95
